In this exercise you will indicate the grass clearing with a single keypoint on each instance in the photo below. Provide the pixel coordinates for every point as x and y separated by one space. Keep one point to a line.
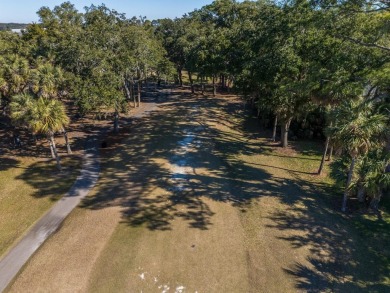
29 187
203 203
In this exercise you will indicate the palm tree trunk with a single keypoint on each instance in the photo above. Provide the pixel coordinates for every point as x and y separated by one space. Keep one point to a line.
274 131
53 147
68 149
34 138
350 174
324 156
53 156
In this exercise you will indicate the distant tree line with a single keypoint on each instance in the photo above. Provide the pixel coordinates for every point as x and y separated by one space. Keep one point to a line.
11 25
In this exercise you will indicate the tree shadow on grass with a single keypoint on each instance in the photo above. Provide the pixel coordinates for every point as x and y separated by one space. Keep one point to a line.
143 174
8 163
157 141
47 181
139 168
341 260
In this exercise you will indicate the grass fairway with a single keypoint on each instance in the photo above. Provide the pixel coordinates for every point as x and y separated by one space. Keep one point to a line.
194 199
28 189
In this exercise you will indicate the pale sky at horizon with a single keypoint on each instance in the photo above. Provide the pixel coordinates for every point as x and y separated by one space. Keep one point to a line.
24 11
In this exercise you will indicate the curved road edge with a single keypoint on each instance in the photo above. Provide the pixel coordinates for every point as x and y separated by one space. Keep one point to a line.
15 259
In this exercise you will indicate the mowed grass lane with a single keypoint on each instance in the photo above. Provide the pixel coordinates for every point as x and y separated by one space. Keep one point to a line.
195 200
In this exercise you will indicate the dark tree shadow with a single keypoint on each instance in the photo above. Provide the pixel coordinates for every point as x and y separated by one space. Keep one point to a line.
341 259
47 181
135 166
8 163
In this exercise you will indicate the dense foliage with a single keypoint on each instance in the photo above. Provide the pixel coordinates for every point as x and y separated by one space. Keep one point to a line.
294 60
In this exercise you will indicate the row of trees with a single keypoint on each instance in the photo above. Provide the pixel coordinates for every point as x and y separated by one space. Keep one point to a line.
291 58
96 60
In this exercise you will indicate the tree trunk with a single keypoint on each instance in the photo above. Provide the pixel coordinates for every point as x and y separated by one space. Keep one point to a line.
68 149
229 84
116 121
350 174
214 87
179 75
374 203
133 94
274 131
330 156
127 91
34 138
324 156
285 128
53 147
53 156
361 193
191 82
139 94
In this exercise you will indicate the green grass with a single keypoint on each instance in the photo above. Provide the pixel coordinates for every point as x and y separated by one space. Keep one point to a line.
373 232
28 189
186 78
256 218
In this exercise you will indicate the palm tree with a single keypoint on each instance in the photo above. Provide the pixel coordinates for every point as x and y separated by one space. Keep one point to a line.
356 125
41 116
14 75
46 81
21 106
373 177
49 116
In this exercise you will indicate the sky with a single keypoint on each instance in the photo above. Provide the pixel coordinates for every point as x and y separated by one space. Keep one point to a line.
24 11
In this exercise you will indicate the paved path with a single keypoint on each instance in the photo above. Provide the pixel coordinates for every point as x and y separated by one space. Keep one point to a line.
12 262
